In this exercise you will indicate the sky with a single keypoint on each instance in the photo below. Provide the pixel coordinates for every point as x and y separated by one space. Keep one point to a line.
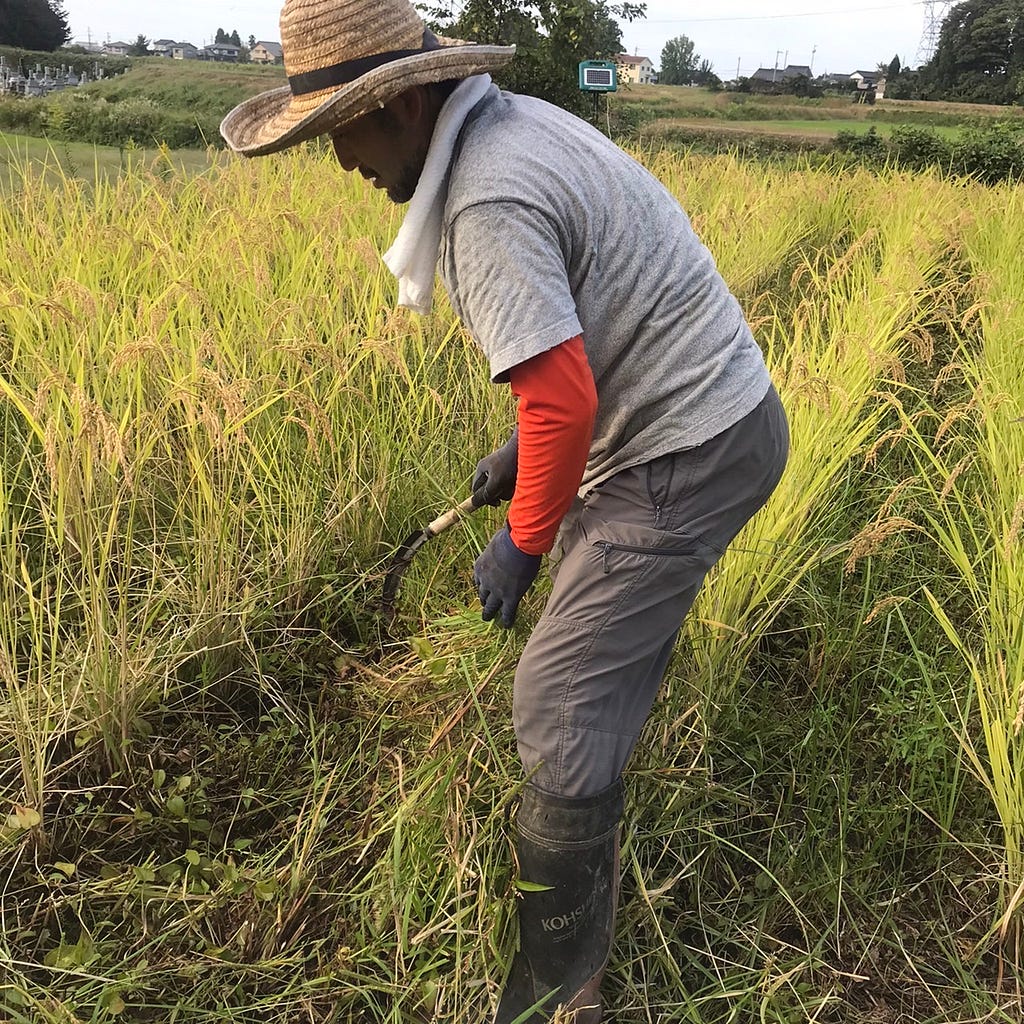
832 36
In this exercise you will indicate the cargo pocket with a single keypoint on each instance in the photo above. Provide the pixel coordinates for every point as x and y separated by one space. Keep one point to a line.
662 572
609 548
621 543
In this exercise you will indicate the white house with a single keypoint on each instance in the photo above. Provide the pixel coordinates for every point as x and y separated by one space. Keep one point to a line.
867 80
637 70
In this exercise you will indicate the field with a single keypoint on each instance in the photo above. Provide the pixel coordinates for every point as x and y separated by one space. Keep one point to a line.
665 111
59 160
232 791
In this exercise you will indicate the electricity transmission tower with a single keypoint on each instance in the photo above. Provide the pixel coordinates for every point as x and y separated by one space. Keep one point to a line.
935 12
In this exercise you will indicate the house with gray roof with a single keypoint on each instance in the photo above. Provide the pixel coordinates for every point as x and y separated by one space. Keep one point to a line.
265 52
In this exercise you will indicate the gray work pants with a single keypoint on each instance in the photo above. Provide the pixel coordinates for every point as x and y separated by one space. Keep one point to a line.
633 556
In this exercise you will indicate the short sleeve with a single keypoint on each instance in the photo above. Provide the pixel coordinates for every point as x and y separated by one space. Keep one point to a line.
504 266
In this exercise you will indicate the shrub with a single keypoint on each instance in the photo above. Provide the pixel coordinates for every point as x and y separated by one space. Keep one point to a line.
918 148
991 153
867 145
137 119
628 118
81 117
23 116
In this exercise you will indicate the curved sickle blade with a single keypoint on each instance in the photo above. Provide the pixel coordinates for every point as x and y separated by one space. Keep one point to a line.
402 558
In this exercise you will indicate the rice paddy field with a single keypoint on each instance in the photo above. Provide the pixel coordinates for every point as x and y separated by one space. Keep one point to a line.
231 790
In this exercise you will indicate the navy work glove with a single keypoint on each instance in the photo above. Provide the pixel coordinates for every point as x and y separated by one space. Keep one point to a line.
502 575
495 477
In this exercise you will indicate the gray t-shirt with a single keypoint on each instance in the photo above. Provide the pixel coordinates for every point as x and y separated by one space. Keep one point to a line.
550 230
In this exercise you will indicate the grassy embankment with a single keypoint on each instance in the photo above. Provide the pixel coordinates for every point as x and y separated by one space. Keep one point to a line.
201 86
155 101
230 793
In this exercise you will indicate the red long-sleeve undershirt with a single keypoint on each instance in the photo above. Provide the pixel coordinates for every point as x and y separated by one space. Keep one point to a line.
557 405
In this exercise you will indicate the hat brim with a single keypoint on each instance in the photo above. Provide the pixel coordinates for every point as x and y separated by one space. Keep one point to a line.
277 119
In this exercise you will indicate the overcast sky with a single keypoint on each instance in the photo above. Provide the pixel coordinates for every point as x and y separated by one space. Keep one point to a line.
830 35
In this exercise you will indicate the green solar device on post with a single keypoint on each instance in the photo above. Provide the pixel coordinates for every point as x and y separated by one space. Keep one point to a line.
596 77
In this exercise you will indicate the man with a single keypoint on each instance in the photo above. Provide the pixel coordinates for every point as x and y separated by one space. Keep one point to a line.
648 430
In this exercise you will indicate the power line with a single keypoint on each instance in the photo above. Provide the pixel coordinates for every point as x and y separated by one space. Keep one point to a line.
783 17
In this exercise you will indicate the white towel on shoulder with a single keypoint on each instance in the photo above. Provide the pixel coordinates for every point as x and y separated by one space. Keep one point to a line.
413 256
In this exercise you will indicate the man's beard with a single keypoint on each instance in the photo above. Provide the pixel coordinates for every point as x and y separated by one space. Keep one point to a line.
403 189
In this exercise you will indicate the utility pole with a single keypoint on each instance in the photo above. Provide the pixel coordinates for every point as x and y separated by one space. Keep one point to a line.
935 12
738 59
813 52
775 71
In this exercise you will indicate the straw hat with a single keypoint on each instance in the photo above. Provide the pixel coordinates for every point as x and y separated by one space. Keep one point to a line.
345 58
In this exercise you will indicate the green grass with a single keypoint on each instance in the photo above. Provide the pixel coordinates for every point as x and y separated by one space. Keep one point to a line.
60 160
201 87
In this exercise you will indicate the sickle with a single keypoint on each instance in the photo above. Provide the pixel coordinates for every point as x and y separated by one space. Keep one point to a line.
403 557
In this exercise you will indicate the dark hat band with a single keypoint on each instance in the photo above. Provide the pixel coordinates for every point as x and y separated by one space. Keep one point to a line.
349 70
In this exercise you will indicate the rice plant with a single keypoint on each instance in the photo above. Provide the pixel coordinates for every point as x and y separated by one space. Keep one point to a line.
229 793
973 503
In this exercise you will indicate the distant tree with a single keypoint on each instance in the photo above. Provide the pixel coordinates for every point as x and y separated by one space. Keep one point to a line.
679 62
140 48
801 85
503 23
905 86
220 37
234 38
33 24
980 55
894 67
705 75
252 42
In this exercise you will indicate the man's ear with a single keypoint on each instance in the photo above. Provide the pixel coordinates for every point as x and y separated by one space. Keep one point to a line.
408 107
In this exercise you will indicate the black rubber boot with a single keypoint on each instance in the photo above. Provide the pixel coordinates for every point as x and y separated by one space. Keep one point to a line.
565 931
